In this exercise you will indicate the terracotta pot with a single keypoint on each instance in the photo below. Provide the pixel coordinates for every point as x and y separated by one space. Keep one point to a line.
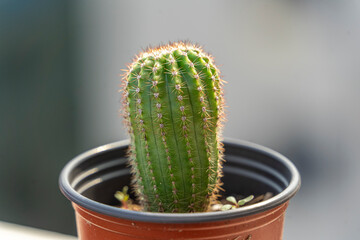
91 179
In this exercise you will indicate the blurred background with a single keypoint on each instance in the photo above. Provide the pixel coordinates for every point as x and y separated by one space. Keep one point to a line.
293 76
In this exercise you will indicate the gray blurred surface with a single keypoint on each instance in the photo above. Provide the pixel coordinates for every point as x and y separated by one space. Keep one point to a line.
292 69
11 231
37 112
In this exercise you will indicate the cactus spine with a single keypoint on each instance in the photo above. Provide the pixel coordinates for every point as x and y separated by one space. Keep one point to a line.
173 108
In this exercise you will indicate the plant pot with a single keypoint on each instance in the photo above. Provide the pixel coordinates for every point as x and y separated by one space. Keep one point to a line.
91 179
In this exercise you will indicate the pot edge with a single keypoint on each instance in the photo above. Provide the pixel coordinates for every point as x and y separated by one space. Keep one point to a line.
275 201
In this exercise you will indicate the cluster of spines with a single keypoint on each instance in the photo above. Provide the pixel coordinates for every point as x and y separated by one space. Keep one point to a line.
168 67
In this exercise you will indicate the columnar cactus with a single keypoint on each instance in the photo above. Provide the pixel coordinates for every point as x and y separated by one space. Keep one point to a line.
173 108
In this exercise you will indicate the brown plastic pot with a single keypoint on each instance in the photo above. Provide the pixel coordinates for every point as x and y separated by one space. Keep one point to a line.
91 179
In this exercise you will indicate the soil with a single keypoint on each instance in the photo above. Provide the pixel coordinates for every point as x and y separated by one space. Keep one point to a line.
131 205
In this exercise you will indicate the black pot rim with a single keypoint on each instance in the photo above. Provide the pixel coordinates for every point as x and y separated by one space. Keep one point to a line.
101 208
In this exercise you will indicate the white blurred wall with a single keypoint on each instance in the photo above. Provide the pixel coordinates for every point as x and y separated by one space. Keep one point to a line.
292 69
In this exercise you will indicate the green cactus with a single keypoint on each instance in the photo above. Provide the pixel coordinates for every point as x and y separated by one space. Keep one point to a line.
173 108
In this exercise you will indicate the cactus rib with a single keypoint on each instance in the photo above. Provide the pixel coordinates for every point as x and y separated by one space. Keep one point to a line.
173 109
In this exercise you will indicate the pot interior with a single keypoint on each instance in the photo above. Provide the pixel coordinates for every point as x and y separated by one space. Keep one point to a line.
247 170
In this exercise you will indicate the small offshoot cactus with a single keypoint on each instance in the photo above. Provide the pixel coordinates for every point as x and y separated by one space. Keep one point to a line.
173 109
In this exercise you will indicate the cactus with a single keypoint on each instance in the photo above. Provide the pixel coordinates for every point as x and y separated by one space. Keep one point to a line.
173 109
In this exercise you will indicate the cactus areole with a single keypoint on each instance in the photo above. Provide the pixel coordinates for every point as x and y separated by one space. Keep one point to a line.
173 109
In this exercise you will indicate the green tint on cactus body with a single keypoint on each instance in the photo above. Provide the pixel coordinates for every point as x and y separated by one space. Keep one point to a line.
174 110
